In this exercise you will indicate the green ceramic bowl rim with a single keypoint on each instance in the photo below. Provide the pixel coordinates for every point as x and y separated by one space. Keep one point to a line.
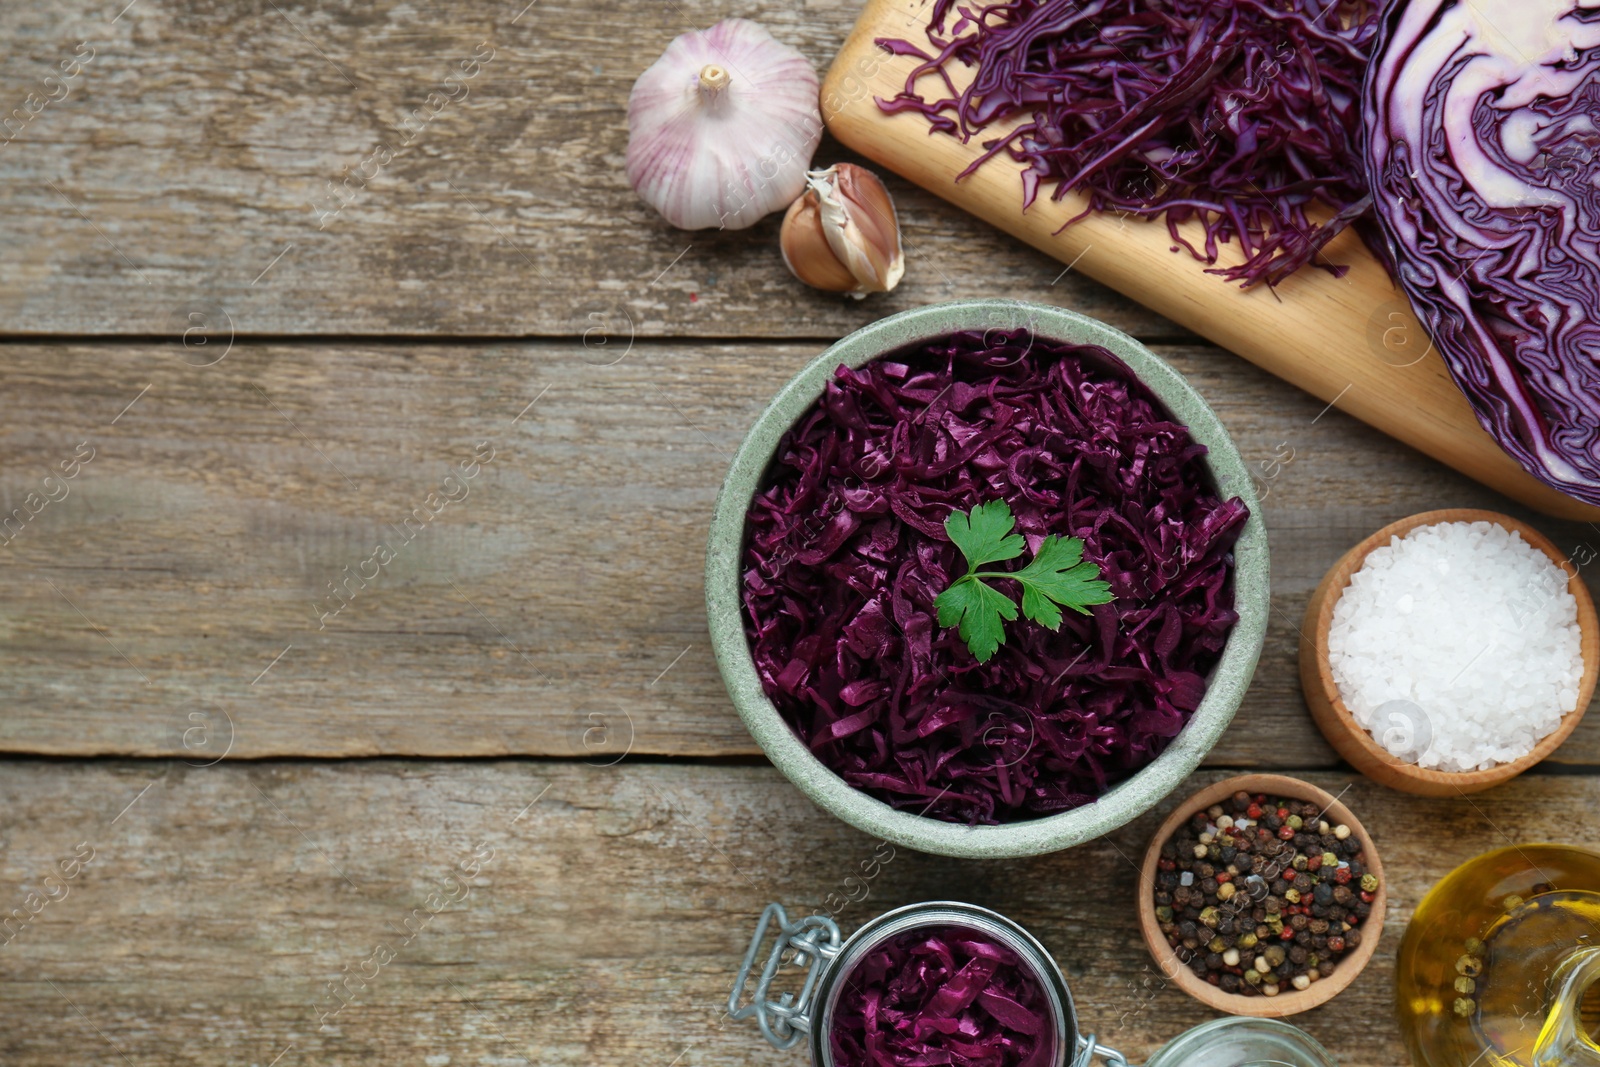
1121 804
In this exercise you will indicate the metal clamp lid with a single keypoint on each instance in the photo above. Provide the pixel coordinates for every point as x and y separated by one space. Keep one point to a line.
786 1020
1088 1048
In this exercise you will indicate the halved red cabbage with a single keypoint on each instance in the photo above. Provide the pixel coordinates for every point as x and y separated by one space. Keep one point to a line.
846 550
1243 114
942 995
1484 155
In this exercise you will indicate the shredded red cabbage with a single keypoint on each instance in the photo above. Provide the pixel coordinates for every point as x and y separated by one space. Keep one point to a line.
942 995
1242 114
846 550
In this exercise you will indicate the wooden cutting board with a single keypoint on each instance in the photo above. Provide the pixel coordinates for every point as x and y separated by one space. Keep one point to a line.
1352 341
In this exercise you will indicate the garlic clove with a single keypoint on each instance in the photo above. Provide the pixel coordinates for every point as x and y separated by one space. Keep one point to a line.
860 250
806 251
862 228
722 127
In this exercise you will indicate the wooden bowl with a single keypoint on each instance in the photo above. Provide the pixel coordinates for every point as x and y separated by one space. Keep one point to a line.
1293 1001
1356 745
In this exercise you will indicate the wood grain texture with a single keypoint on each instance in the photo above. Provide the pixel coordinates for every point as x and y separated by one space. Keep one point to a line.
199 142
1330 336
556 610
167 600
604 928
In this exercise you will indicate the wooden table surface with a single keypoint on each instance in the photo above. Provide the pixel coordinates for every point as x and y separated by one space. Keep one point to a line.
260 373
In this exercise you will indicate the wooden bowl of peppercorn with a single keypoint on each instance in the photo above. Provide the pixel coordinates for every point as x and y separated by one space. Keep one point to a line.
1307 930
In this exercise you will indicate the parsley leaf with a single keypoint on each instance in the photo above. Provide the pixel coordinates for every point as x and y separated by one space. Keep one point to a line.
984 535
1057 577
977 609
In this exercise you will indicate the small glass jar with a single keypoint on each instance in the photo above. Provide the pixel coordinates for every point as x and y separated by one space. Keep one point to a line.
815 944
1242 1042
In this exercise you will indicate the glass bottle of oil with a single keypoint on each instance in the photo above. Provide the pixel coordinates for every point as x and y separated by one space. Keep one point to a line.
1500 966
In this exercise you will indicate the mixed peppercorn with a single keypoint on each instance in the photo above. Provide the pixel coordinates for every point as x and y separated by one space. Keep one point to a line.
1258 895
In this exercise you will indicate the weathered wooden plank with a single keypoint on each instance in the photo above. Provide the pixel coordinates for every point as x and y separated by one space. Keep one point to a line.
603 925
295 168
556 609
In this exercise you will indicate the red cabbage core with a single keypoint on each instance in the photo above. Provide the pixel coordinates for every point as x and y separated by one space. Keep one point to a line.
846 551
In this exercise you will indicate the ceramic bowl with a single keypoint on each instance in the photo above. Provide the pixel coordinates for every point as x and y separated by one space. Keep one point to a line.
1126 801
1352 741
1291 1001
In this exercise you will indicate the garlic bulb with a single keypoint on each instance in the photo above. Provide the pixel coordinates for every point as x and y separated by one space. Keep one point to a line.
721 128
842 236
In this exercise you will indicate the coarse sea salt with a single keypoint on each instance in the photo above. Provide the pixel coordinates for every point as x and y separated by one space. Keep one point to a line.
1457 646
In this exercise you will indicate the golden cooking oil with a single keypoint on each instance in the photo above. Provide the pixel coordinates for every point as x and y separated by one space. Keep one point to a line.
1500 966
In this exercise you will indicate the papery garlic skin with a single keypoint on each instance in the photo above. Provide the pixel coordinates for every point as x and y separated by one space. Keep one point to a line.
722 127
842 235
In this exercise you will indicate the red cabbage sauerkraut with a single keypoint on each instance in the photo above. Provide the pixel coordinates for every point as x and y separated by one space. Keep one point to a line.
846 551
942 995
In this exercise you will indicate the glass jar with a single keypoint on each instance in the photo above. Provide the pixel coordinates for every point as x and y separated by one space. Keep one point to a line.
1241 1042
815 945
